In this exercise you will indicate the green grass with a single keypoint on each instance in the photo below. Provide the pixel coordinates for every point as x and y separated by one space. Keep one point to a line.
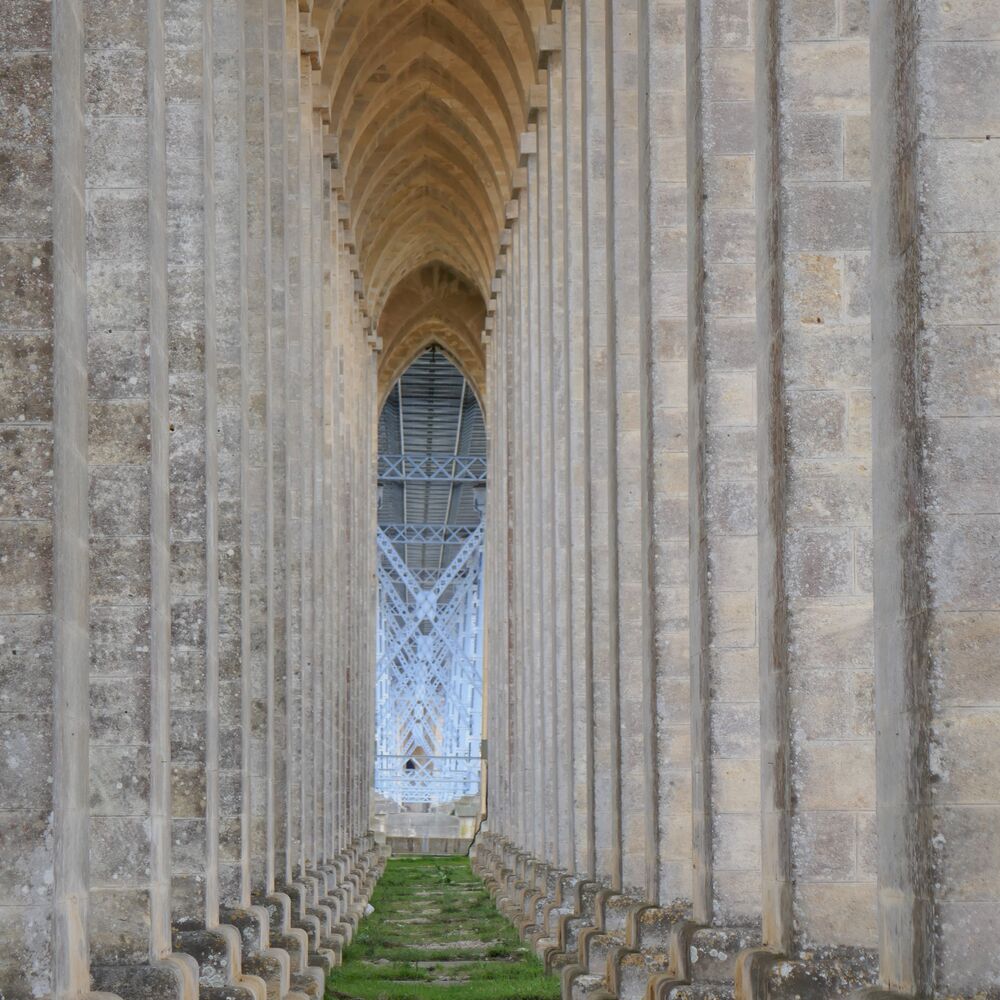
436 935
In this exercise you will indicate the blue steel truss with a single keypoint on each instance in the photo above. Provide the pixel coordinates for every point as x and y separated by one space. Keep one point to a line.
427 534
413 467
429 689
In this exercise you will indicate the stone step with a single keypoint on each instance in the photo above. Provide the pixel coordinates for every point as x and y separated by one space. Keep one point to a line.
821 977
224 993
599 947
696 991
216 963
713 950
268 969
306 985
634 970
137 982
588 987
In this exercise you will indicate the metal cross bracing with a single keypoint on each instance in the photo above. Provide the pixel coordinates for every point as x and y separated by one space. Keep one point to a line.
432 469
406 779
427 534
427 575
429 677
418 467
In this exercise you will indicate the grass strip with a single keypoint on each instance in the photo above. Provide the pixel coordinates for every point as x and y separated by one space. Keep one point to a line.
436 935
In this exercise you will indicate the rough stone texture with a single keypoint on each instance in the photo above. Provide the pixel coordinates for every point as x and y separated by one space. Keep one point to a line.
664 422
161 348
722 385
935 496
129 602
29 324
735 275
814 486
194 604
602 714
778 277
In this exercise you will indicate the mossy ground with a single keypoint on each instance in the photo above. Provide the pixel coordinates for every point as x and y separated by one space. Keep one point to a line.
436 935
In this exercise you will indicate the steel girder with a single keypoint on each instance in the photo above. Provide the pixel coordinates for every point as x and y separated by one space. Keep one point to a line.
427 534
431 468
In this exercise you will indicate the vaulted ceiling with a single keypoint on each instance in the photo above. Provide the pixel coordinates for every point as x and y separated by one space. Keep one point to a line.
428 99
432 306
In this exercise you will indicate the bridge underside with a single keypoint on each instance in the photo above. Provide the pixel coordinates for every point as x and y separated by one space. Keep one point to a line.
429 656
722 275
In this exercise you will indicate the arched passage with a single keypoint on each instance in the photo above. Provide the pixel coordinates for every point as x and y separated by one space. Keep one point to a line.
429 667
429 101
432 306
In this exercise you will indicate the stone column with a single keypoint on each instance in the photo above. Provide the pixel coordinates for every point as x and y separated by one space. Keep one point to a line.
577 280
302 727
206 400
365 535
344 507
359 701
353 716
513 378
523 483
320 241
257 467
354 671
233 368
510 549
336 506
662 225
343 649
561 569
341 509
936 375
630 659
370 481
336 514
119 336
493 653
503 755
529 223
814 530
351 674
292 447
70 529
328 593
312 612
277 778
725 717
546 527
193 453
510 591
315 484
487 796
494 650
598 313
129 504
43 526
522 615
335 610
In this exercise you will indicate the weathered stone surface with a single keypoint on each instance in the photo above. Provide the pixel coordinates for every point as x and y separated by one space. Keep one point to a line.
737 274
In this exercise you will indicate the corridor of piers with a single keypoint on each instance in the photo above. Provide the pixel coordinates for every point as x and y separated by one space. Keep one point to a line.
562 431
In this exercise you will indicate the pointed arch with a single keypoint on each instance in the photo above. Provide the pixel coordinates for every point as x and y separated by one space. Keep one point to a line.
428 99
432 305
